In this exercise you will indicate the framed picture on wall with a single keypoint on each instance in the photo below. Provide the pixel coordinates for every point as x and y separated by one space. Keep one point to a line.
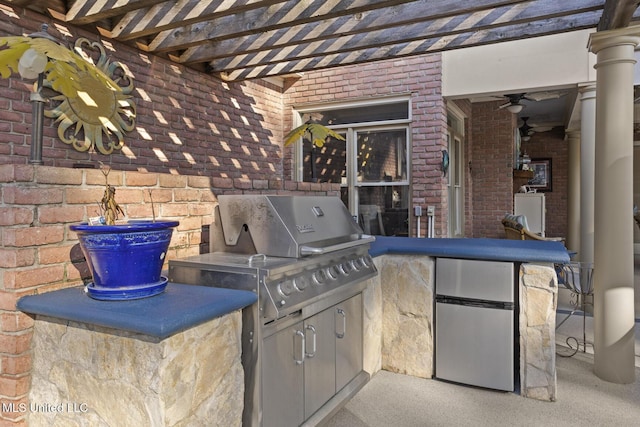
541 180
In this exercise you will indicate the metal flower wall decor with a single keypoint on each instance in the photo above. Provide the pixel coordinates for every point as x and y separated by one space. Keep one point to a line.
93 102
98 116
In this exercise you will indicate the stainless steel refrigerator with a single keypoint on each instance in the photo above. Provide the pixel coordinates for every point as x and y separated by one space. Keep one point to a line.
475 323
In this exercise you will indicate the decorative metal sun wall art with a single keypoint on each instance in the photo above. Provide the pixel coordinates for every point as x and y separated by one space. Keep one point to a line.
98 116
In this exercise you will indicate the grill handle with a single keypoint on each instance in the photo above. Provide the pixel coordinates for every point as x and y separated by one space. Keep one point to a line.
344 323
302 347
257 257
314 347
310 250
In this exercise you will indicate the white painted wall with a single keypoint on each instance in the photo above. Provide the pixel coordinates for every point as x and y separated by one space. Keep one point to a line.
548 62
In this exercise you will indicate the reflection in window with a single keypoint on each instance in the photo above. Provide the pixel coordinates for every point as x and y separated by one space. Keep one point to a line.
383 210
382 156
325 164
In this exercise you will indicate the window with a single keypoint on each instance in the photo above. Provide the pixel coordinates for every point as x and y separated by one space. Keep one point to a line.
372 166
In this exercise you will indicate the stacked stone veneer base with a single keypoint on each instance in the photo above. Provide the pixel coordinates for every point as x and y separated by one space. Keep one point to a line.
398 322
538 303
106 377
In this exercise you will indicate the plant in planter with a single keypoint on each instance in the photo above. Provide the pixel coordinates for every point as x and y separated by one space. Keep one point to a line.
125 259
314 132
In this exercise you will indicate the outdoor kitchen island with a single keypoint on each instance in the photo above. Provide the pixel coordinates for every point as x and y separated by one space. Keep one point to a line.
169 359
141 368
400 311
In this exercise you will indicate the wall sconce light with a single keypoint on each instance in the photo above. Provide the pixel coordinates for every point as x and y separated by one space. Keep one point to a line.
445 161
31 66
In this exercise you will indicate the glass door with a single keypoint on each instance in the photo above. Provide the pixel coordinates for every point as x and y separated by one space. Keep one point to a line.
455 149
381 181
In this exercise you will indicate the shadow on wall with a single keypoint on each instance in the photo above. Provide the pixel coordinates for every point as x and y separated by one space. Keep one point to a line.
188 123
79 263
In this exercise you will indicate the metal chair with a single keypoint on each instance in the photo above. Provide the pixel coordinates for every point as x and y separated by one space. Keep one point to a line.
578 278
517 231
371 220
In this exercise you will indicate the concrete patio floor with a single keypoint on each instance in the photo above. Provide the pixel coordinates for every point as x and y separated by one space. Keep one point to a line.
395 400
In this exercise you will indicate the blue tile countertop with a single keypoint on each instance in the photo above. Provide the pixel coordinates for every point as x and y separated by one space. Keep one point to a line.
179 308
481 249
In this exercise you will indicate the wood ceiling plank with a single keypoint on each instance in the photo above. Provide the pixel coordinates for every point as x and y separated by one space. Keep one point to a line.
292 12
84 12
52 7
181 14
420 47
328 28
335 40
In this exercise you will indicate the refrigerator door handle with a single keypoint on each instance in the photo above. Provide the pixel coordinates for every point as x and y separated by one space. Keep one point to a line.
500 305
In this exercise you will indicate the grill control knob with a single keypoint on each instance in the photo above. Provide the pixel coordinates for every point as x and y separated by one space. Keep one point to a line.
366 261
300 283
333 272
285 288
346 268
320 277
357 264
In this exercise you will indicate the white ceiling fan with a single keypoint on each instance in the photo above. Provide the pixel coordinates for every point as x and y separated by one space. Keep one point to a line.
515 105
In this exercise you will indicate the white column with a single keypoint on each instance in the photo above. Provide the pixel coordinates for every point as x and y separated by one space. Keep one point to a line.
573 194
587 171
613 228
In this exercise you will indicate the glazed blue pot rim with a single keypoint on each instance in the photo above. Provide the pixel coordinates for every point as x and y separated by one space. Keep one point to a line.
128 227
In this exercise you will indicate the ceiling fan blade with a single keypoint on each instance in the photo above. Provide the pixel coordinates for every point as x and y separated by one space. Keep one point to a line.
542 96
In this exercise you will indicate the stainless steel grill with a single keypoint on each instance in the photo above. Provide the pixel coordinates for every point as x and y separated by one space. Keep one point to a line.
285 226
307 260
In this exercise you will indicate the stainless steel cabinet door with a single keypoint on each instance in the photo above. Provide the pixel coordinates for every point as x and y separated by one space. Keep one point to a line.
475 346
348 331
283 378
320 361
483 280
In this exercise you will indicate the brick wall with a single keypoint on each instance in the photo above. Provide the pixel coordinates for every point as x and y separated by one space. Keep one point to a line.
187 122
492 131
418 76
552 145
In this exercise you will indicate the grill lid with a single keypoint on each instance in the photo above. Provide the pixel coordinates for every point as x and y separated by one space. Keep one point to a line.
290 226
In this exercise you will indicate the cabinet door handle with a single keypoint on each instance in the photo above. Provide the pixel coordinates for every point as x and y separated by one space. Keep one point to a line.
302 347
344 323
313 341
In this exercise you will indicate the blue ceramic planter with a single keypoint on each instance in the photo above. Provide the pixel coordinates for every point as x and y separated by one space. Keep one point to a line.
125 260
